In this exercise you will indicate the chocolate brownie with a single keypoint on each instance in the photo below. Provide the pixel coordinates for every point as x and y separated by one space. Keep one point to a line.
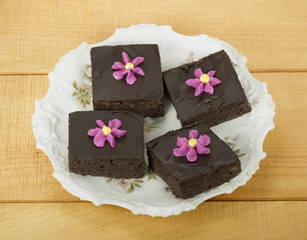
144 96
125 160
228 100
186 178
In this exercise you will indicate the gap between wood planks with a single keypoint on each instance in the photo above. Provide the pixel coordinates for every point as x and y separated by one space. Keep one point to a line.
209 200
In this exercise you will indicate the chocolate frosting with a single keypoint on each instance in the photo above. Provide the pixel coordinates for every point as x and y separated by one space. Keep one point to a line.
187 105
220 153
128 147
106 88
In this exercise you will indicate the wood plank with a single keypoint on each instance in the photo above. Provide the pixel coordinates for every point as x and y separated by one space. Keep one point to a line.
26 173
211 220
35 34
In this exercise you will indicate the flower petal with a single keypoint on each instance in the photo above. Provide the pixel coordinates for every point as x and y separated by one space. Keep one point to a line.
182 151
192 155
137 61
126 58
115 123
198 72
93 132
100 123
130 78
214 81
202 150
193 82
118 65
139 71
208 88
111 140
193 134
199 90
211 73
204 140
181 141
118 75
118 133
99 139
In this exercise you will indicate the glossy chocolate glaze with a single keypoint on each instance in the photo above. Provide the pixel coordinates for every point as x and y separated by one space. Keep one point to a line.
220 154
127 148
106 88
187 105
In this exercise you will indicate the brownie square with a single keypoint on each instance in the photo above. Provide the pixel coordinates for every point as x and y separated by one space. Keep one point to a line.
188 179
144 96
227 102
125 160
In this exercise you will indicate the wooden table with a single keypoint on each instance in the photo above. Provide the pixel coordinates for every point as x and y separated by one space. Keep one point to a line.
35 34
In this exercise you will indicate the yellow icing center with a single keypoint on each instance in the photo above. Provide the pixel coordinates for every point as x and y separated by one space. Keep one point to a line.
129 65
192 142
204 78
106 130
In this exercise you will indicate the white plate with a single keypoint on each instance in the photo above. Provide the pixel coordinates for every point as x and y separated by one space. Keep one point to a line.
150 195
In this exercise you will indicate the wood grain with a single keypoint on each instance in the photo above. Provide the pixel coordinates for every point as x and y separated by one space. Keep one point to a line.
211 220
35 34
26 173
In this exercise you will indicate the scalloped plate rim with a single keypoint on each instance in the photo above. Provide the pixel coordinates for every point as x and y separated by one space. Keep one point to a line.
136 206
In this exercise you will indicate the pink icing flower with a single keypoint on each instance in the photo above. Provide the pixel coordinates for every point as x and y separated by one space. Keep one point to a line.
190 148
204 82
129 68
105 133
